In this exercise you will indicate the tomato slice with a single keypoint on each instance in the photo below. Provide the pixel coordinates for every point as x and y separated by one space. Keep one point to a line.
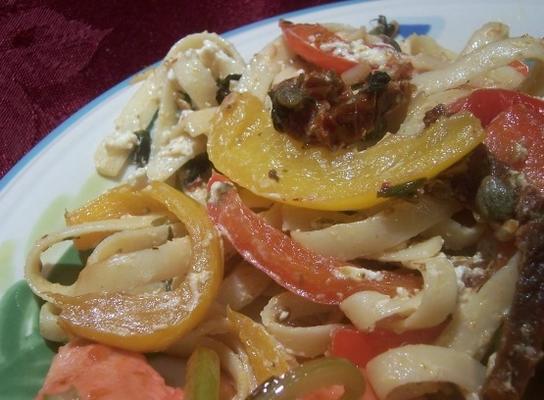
486 104
516 137
515 128
291 265
96 371
361 347
306 40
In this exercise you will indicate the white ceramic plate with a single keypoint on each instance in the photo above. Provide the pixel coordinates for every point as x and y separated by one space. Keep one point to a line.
58 173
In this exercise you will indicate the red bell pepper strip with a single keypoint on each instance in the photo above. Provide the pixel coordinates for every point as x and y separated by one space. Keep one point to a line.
310 275
306 40
486 104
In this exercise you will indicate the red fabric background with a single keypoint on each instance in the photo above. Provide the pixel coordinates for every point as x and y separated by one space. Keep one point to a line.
57 55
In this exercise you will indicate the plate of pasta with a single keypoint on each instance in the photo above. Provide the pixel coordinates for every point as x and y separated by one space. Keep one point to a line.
345 202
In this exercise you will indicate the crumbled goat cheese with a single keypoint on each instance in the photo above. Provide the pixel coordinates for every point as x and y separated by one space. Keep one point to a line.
138 178
283 315
200 194
463 272
491 363
180 146
355 273
358 51
121 141
217 189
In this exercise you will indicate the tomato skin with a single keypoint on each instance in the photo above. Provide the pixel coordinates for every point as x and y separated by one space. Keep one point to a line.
516 137
291 265
361 347
297 37
514 128
103 373
486 104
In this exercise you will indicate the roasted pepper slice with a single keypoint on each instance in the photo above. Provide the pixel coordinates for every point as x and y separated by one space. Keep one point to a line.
203 375
244 146
267 357
296 268
114 203
151 321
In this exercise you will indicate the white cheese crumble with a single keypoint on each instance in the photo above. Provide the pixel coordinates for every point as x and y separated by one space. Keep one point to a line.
217 189
463 272
358 51
199 194
138 178
180 146
121 141
355 273
283 315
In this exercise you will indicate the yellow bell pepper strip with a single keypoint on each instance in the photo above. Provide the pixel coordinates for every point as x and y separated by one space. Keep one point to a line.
244 146
114 203
313 276
203 375
267 356
150 322
312 375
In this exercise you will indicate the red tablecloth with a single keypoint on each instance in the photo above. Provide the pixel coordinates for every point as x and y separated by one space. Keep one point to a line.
57 55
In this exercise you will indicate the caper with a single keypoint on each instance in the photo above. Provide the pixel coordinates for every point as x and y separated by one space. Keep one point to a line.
289 96
377 81
495 199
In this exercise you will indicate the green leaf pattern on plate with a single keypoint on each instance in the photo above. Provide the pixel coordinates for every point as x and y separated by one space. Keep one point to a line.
24 355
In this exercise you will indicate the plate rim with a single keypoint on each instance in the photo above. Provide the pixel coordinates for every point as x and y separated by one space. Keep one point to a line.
10 177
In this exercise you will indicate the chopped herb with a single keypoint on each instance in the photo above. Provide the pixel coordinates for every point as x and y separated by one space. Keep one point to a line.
170 233
197 168
223 86
143 148
385 28
168 285
377 81
273 174
392 42
401 190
